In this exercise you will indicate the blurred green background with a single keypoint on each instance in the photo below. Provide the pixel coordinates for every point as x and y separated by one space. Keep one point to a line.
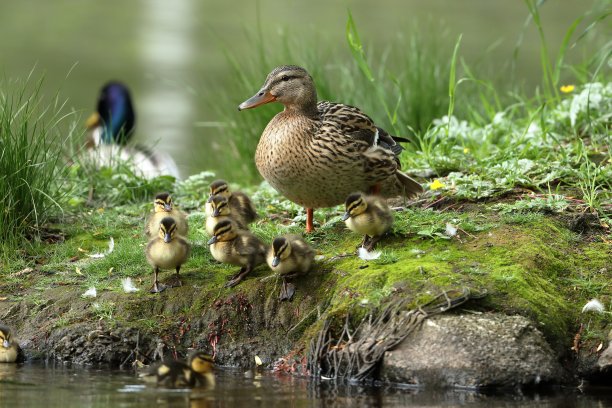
174 55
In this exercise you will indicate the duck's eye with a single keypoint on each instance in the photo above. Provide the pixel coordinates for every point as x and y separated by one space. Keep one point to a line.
285 78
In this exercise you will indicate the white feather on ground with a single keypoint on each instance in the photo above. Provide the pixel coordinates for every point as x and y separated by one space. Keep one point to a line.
91 292
593 305
111 248
128 286
368 256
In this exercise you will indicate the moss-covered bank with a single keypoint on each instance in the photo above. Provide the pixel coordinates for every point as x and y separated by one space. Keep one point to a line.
529 264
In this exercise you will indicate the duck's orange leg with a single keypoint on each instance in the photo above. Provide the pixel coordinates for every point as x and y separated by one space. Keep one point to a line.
309 217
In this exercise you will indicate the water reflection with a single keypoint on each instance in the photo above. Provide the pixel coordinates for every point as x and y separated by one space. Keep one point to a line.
37 385
167 48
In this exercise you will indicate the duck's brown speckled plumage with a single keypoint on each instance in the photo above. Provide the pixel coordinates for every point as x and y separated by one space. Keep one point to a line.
316 154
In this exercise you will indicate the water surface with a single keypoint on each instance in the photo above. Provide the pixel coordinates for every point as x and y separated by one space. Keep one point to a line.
33 385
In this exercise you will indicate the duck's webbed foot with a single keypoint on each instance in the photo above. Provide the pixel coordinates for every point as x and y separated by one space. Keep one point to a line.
287 291
236 279
369 246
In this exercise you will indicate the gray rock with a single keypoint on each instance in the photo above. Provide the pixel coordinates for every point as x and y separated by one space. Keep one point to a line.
473 351
605 359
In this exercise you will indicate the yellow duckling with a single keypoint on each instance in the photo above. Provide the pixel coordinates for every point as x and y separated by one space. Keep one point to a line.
167 251
8 346
289 256
221 211
164 207
316 153
236 247
368 215
197 372
241 206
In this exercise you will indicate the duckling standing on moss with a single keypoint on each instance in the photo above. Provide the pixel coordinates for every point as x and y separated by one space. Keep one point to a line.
368 215
164 207
289 256
197 372
236 247
8 346
221 211
240 205
167 251
112 127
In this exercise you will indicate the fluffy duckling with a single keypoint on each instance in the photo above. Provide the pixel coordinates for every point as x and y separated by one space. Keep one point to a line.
197 372
8 346
166 251
221 211
368 215
112 126
236 247
240 204
164 207
289 255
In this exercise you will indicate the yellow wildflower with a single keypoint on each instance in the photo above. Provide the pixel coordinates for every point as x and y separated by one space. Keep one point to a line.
436 185
466 150
567 88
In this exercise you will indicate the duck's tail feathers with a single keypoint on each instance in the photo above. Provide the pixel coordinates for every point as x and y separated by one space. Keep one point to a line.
410 186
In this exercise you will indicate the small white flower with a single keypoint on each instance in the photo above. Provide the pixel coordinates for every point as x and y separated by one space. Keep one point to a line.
128 286
368 256
91 292
593 305
111 248
451 230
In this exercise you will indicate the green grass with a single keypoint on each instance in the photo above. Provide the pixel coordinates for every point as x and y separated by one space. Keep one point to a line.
31 161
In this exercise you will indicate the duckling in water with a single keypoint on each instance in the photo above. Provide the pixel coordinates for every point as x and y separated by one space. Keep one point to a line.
368 215
221 211
167 251
112 127
236 247
197 372
240 205
164 207
8 346
289 256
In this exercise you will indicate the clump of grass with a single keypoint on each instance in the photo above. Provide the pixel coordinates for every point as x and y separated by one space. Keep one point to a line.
31 163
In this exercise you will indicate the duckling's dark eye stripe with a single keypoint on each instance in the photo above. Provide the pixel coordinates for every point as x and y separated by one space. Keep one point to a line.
169 200
281 249
160 202
220 190
223 230
354 205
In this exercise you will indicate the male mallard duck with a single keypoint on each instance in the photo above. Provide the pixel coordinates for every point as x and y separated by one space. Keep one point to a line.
368 215
8 346
112 126
164 207
198 371
220 211
241 206
288 256
236 247
167 251
316 154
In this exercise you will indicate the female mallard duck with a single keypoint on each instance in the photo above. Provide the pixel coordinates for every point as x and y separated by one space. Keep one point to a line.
240 205
167 251
197 372
8 346
316 154
288 256
221 211
368 215
164 207
236 247
112 126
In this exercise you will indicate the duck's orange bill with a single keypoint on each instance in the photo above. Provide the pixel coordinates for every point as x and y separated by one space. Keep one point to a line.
258 99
